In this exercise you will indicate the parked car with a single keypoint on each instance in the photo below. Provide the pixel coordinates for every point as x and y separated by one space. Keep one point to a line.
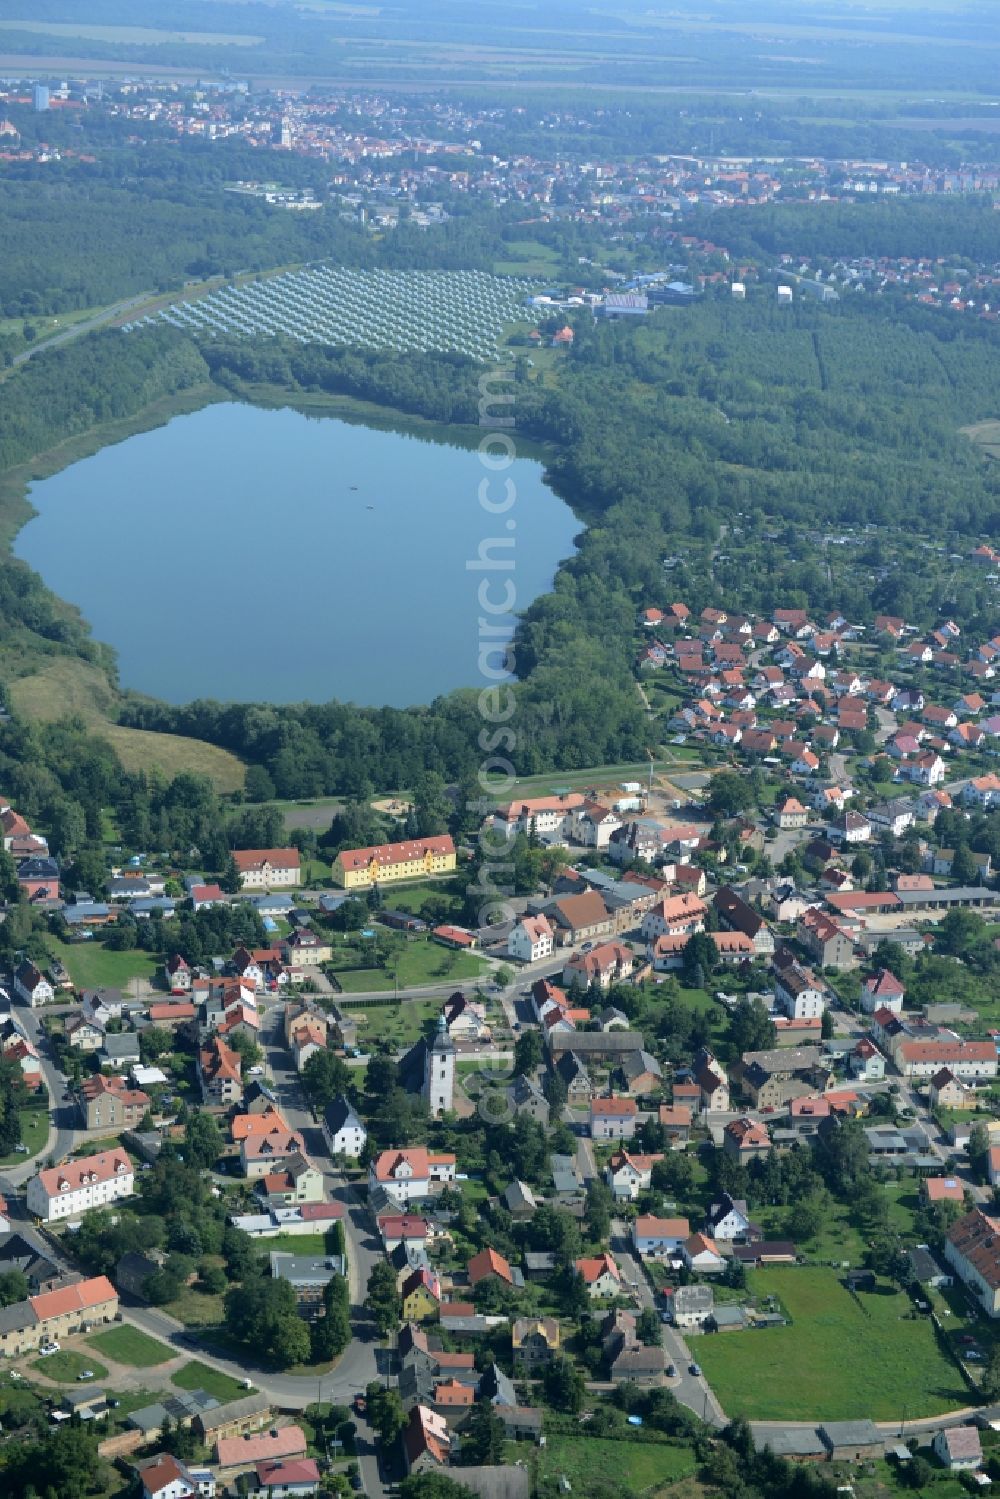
360 1405
694 1369
671 1371
21 1149
47 1349
85 1374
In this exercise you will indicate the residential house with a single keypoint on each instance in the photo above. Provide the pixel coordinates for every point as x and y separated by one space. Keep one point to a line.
580 918
343 1130
600 1276
31 986
390 863
93 1181
406 1175
535 1342
700 1254
691 1306
799 993
727 1219
659 1238
268 868
531 939
628 1174
882 991
946 1092
746 1139
55 1314
677 915
958 1448
736 914
972 1248
220 1070
613 1118
605 964
108 1103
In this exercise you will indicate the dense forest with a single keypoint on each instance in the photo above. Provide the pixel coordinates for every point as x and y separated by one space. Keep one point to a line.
957 229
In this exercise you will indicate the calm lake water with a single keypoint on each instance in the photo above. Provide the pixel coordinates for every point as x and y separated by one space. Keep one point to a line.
255 555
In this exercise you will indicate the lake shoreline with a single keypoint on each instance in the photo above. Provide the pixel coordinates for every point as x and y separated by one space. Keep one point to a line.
281 469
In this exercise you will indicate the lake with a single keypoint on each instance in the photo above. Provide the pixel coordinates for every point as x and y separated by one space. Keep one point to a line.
249 554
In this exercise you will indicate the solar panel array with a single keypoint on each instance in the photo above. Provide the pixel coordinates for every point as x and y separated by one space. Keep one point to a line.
460 312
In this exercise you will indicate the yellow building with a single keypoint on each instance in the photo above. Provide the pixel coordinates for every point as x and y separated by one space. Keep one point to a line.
389 863
421 1296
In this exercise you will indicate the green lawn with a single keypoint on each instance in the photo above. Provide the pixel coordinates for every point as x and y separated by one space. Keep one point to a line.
198 1376
836 1361
420 962
635 1467
34 1133
127 1345
296 1244
401 1024
92 966
413 898
65 1365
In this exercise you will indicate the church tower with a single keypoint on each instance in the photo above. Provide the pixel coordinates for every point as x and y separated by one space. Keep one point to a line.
439 1072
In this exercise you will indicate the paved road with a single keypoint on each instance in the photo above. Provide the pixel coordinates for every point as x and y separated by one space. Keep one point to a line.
77 330
63 1117
692 1390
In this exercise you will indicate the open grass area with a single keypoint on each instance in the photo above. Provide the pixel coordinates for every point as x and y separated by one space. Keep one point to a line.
841 1357
634 1467
34 1133
196 1308
67 1364
421 961
199 1376
92 966
413 898
314 1244
128 1345
401 1024
67 685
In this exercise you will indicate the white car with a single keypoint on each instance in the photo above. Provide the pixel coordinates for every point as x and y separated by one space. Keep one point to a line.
256 1072
85 1374
14 1374
47 1349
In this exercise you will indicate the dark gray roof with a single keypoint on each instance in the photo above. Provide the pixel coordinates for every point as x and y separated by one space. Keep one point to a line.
793 1441
851 1434
506 1481
19 1315
339 1114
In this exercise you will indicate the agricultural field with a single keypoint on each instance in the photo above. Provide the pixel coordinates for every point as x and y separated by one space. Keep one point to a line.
840 1358
448 312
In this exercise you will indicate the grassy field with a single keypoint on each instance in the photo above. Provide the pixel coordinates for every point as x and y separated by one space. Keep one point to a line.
199 1376
400 1024
637 1468
420 962
34 1133
92 966
65 1365
127 1345
66 685
196 1308
838 1360
527 257
413 898
314 1244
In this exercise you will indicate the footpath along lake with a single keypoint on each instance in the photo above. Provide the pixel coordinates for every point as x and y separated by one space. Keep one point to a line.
250 554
